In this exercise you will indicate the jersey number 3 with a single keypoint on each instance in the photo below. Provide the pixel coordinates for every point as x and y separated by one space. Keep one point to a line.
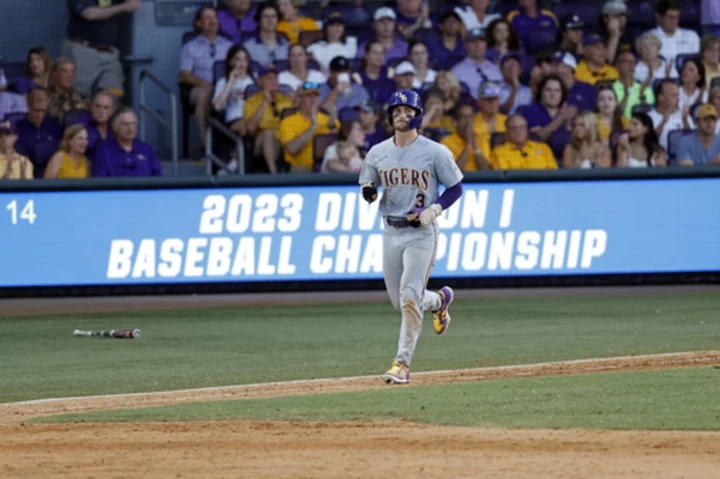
420 200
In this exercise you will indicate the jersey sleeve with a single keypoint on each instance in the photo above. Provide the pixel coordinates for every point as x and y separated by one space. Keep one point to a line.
369 173
446 169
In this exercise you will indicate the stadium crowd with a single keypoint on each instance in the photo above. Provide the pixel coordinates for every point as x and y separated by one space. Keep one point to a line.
578 85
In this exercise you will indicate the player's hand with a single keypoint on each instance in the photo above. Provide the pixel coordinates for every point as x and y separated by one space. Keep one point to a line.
369 192
131 5
429 214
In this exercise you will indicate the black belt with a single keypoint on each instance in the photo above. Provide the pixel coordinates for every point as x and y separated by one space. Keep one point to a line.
94 46
397 221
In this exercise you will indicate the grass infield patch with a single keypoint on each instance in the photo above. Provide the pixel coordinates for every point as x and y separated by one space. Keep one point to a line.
674 399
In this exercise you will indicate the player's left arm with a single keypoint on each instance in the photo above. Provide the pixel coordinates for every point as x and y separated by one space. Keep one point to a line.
448 173
369 178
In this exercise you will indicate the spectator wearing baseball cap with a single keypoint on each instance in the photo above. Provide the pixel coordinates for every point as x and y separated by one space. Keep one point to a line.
571 34
513 94
394 46
475 68
579 93
13 165
628 90
262 118
373 75
450 42
593 67
335 43
292 23
675 41
613 28
238 17
411 16
488 120
298 130
339 91
464 143
529 17
702 148
404 75
369 117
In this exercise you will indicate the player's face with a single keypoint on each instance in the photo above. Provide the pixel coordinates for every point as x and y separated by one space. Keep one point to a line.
401 117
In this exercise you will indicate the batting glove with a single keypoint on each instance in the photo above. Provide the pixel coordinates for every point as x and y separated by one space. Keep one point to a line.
429 214
369 192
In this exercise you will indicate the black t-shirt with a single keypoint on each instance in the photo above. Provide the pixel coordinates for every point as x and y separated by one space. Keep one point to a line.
103 32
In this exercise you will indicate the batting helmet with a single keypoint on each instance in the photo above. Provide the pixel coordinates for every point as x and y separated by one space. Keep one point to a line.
407 98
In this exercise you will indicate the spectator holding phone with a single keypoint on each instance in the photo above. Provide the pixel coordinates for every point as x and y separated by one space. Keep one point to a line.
339 92
230 90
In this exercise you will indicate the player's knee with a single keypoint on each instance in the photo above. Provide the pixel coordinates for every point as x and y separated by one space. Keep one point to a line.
411 294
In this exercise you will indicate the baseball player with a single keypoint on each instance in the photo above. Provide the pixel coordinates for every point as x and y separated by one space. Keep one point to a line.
410 168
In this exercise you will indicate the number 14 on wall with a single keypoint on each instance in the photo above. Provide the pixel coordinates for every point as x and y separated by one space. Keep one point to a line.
27 212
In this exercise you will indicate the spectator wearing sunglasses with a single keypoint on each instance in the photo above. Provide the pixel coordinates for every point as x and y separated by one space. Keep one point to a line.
476 68
197 58
298 130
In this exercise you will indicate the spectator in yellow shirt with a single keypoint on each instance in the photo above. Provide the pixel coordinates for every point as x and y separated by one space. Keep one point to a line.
594 67
70 161
298 130
13 166
489 120
435 123
519 153
292 22
262 116
464 143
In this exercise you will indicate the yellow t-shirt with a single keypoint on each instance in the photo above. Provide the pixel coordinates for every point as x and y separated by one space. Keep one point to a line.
294 126
292 30
269 120
585 74
606 130
446 123
21 168
533 156
456 145
484 132
68 169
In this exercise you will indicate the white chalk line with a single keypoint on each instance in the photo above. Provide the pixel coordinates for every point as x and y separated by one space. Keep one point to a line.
154 397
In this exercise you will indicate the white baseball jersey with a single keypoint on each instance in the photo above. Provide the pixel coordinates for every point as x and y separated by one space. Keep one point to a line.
411 176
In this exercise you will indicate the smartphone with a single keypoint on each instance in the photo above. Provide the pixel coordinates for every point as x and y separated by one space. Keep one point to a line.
344 78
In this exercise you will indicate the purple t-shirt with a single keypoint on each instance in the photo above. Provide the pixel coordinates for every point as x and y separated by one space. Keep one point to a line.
439 51
232 26
380 89
582 95
95 140
23 85
372 139
399 49
38 143
537 115
111 160
473 74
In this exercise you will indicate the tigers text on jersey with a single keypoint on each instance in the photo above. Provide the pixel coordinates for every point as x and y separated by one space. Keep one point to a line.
410 176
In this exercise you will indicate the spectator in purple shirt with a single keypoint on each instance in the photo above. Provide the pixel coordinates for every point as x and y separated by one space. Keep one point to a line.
38 66
125 155
529 17
550 117
237 18
98 128
197 58
395 47
581 94
38 128
267 46
373 75
412 15
476 69
450 42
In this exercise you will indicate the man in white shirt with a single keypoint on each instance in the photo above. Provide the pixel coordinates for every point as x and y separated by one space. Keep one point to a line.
666 116
474 14
675 41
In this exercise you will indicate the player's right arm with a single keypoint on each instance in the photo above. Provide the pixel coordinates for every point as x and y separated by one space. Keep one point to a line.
369 178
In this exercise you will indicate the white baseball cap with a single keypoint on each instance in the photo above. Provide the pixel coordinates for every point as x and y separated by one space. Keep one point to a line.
567 58
404 67
384 12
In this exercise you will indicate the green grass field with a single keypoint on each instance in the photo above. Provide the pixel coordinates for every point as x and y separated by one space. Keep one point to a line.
195 348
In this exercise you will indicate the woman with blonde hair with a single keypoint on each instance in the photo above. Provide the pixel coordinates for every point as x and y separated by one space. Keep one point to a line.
585 150
651 66
609 114
710 55
448 83
70 161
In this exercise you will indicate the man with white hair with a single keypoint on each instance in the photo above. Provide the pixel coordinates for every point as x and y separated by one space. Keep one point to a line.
124 154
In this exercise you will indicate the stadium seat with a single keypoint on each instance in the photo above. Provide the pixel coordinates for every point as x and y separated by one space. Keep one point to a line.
44 150
642 13
14 117
710 30
542 38
588 12
218 70
354 17
642 108
320 144
308 38
436 134
427 35
13 71
674 137
681 59
282 65
690 14
75 117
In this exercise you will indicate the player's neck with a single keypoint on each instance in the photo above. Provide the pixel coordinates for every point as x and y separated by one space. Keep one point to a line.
405 138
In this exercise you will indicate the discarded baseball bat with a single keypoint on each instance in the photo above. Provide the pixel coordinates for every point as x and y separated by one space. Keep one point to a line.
110 333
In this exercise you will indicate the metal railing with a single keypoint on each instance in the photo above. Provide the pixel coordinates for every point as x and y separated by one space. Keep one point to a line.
211 158
170 125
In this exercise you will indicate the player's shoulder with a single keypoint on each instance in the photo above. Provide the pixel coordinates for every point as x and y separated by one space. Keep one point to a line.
435 148
381 149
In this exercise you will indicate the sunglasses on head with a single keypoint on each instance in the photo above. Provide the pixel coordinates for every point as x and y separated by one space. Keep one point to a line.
308 85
